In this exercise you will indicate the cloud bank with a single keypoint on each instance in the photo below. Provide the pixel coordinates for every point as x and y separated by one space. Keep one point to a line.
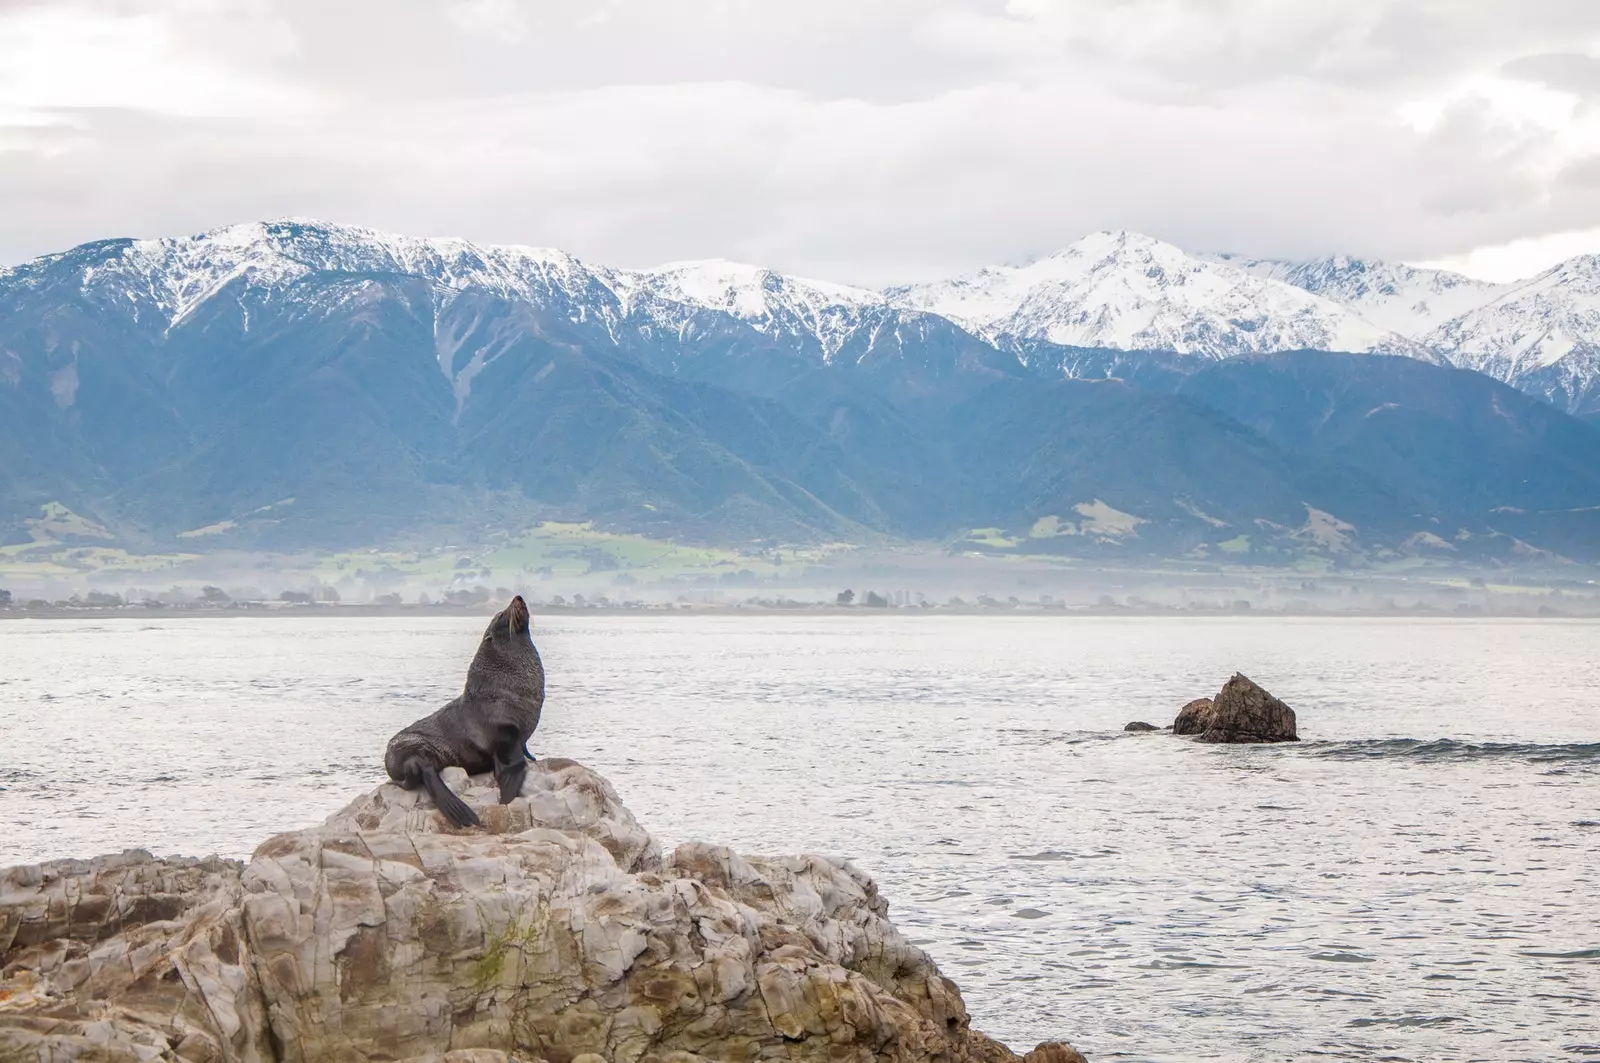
879 142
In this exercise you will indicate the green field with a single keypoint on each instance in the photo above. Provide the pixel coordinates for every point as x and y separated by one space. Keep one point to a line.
47 560
554 550
547 551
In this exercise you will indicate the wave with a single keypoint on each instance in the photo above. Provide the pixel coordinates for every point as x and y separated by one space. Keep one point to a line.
1453 749
1032 736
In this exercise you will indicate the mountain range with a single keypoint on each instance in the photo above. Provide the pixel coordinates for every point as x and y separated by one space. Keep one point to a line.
300 384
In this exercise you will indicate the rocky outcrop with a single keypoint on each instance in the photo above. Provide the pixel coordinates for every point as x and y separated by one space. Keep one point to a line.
1243 712
1194 718
1140 725
557 932
127 958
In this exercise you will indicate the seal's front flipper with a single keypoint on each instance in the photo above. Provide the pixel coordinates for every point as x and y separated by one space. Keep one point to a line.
509 773
454 809
528 756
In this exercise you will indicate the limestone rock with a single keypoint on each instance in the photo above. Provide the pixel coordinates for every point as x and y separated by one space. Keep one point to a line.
558 794
1140 725
1243 712
556 932
127 958
1193 718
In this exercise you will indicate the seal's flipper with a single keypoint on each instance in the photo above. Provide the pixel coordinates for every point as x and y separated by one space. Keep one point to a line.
509 773
454 809
528 756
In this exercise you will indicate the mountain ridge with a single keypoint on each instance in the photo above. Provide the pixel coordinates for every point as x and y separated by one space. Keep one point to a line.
1107 291
1130 292
1405 299
292 383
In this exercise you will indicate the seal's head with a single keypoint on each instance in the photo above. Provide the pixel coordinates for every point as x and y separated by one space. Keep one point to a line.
506 657
511 625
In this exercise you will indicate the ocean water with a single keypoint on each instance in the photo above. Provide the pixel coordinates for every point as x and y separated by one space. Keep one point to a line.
1417 880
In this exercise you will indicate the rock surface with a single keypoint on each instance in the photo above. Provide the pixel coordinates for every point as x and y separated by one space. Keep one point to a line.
127 958
1243 712
1140 725
557 932
1193 718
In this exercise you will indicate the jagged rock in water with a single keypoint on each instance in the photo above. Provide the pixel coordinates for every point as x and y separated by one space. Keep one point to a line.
1243 712
1193 718
1055 1052
555 932
1140 725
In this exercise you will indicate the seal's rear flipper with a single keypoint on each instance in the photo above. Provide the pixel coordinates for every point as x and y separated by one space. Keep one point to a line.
454 809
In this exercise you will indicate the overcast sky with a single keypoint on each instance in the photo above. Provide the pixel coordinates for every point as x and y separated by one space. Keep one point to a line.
861 140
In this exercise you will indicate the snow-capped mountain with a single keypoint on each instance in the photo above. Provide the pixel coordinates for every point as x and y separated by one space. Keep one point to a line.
1108 291
1542 335
674 295
294 383
162 282
175 276
1125 291
1407 300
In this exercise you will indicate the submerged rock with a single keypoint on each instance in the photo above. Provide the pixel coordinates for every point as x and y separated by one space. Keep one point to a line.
1140 725
1243 712
558 931
1194 718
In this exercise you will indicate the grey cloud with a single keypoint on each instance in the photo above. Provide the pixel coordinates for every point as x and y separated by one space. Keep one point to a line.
1353 43
1581 176
864 142
1570 72
828 48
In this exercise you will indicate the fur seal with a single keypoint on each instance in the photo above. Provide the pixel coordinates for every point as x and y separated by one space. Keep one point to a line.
485 728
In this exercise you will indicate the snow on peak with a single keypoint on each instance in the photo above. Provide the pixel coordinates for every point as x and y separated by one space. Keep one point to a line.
1408 300
1110 289
1128 291
1110 242
744 290
179 274
1538 324
1583 270
672 295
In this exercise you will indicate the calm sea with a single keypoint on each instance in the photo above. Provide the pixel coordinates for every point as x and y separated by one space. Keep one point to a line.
1418 880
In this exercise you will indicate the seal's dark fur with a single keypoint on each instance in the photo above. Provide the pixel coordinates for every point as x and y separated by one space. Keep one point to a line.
484 729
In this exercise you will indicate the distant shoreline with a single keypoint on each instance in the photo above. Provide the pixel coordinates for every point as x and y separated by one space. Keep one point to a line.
329 611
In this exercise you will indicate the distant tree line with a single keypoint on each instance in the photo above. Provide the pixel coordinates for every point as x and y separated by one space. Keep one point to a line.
873 599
